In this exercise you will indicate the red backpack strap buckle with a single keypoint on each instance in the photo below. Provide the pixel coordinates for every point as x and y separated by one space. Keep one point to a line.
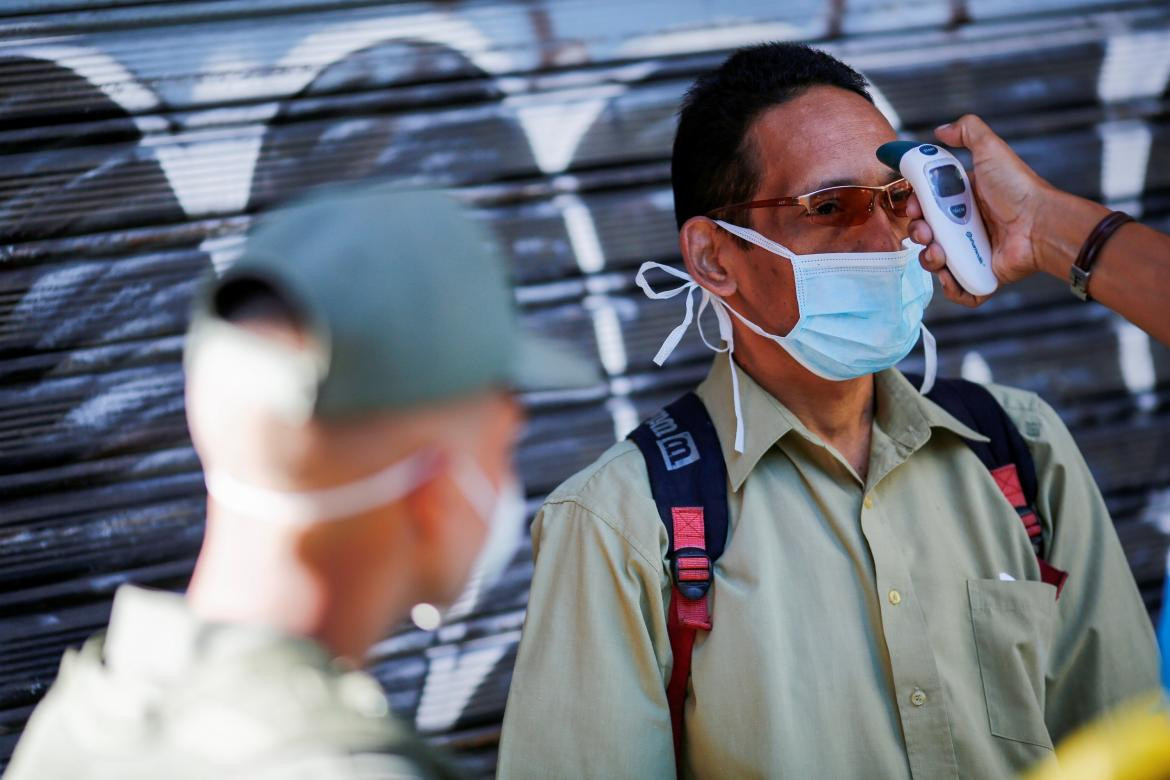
690 567
691 571
1007 478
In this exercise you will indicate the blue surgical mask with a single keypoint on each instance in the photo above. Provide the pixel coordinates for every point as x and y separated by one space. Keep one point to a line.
860 312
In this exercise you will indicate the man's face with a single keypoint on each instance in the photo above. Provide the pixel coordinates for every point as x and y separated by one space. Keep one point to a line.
823 138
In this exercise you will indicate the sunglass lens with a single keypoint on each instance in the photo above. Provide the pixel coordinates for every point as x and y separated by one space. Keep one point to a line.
900 198
841 206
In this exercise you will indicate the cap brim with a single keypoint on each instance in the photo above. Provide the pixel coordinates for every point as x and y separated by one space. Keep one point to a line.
543 364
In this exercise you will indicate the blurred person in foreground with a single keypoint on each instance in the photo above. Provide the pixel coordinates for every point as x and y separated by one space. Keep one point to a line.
881 603
1035 227
350 393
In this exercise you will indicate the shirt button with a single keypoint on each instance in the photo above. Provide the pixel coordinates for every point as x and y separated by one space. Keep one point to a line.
918 698
895 597
868 502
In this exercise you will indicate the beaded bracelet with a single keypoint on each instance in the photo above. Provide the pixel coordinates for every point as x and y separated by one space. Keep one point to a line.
1082 269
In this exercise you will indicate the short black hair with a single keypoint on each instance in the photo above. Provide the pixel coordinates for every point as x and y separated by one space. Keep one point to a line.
247 299
713 164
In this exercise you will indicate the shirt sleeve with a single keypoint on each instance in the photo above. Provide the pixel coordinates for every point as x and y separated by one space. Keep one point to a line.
588 694
1103 650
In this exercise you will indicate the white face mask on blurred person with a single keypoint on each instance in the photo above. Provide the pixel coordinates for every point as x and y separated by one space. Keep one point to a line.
502 510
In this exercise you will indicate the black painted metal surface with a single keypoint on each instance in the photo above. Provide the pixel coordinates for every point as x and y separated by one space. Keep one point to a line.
138 139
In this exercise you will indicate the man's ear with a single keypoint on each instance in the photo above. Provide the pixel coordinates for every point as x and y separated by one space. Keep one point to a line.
706 249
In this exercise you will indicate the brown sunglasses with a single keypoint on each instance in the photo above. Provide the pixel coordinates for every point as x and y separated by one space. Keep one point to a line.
844 206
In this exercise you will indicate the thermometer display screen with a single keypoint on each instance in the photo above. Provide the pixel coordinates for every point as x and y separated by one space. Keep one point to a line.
946 181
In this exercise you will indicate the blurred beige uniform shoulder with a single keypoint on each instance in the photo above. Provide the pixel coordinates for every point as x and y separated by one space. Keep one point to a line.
162 694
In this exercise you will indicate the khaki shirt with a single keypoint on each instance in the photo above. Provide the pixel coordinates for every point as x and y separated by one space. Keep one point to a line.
163 695
886 629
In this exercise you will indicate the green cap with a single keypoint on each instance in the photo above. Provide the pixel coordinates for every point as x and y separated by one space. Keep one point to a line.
405 296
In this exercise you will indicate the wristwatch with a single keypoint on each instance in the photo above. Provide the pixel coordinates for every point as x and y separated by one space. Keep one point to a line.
1082 267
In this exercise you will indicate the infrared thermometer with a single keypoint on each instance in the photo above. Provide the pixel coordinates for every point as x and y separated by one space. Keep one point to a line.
948 205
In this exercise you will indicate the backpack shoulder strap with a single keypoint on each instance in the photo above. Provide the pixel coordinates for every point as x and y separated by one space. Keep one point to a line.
1006 457
688 479
686 468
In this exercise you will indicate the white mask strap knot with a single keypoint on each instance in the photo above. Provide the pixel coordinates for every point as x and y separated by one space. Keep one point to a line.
688 288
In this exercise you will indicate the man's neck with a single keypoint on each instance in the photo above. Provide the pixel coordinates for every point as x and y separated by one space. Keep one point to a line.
840 413
253 573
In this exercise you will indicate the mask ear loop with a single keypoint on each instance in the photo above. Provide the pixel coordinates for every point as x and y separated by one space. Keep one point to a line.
930 352
476 487
757 238
728 335
307 507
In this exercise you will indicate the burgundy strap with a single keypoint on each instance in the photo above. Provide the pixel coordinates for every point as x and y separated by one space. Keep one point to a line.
682 642
1008 480
1052 575
686 615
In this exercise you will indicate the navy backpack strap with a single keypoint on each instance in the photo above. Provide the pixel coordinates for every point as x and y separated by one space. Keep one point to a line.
688 479
685 463
1006 456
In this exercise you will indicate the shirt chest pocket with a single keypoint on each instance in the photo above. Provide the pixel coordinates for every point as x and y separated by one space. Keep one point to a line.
1013 623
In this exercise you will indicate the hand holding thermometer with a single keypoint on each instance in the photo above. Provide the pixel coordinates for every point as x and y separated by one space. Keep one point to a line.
948 205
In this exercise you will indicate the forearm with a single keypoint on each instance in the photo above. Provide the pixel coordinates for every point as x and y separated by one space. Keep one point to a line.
1132 272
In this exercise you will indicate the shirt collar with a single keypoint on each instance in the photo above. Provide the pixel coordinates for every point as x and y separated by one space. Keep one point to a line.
903 413
907 416
766 420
